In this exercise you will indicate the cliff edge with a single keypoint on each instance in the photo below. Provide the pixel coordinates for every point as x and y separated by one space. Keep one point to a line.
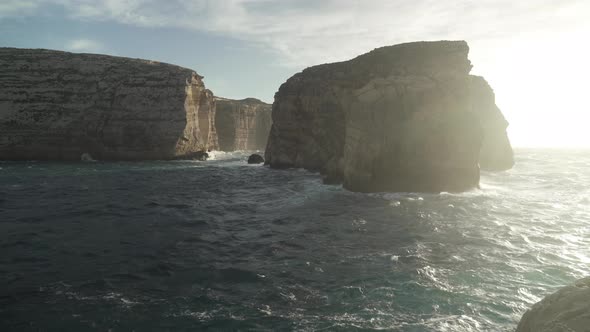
58 106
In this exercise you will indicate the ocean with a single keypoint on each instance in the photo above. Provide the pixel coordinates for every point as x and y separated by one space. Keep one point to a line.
226 246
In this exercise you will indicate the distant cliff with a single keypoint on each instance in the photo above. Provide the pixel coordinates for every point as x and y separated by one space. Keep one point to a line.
401 118
496 152
58 105
242 124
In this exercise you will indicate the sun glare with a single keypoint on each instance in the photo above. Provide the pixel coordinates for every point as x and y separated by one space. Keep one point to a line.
541 87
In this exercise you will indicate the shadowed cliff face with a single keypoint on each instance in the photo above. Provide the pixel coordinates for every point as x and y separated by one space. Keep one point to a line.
401 118
58 105
496 152
242 124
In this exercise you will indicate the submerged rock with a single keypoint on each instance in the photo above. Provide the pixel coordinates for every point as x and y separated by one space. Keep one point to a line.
86 157
242 124
567 310
401 118
255 159
58 105
199 155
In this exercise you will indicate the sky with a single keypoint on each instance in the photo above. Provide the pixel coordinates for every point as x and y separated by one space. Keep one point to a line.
534 53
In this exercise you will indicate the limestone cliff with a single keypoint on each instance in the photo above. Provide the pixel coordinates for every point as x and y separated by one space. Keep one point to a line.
496 152
57 106
407 117
242 124
567 310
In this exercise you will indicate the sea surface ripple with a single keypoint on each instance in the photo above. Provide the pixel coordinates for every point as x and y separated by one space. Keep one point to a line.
184 246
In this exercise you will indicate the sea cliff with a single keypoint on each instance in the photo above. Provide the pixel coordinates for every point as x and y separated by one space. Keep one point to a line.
58 106
242 124
407 117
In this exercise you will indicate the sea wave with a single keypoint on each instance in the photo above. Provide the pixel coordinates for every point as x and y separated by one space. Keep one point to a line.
224 245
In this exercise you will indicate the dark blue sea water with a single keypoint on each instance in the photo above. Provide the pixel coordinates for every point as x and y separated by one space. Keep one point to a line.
185 246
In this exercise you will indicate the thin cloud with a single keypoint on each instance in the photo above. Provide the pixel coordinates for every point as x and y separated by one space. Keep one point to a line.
11 8
306 32
84 45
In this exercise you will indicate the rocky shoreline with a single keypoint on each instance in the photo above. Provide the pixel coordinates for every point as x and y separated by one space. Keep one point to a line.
61 106
406 117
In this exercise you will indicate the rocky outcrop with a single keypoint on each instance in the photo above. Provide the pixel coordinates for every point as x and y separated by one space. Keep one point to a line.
496 152
567 310
199 155
242 124
255 159
400 118
58 106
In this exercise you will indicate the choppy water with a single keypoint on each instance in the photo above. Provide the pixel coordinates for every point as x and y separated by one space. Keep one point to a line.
223 245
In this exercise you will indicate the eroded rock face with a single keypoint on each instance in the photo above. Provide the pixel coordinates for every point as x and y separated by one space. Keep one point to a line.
496 152
566 310
58 106
242 124
401 118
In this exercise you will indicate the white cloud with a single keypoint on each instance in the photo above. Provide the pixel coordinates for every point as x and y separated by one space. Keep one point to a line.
84 45
305 32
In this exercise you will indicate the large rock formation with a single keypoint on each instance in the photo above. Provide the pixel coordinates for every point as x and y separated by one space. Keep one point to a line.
58 105
496 152
242 124
567 310
400 118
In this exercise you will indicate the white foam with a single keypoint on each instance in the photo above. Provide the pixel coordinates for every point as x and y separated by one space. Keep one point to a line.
223 155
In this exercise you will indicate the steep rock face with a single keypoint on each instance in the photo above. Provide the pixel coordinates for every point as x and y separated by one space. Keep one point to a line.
57 106
401 118
242 124
496 152
566 310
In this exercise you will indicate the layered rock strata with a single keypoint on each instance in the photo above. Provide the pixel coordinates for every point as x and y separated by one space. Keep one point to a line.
400 118
242 124
58 106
